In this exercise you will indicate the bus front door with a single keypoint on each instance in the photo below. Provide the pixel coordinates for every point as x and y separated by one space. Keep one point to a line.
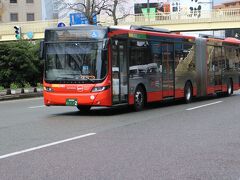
167 70
119 72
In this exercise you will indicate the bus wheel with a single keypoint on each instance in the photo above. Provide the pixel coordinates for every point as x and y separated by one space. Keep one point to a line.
229 88
84 108
188 92
139 99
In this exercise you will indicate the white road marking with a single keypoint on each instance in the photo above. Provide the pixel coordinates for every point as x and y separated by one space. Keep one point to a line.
34 107
46 145
197 107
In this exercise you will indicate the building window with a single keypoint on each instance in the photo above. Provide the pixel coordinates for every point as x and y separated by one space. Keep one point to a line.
14 17
29 1
13 1
30 17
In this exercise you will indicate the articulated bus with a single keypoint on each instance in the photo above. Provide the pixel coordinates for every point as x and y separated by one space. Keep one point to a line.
88 66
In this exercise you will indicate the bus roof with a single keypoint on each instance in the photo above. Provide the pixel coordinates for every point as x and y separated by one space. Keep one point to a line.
159 32
91 27
232 40
117 30
226 40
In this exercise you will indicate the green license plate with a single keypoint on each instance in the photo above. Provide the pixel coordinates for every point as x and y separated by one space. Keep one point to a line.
71 102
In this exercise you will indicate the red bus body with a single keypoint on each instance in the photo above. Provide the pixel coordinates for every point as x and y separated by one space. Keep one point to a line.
141 66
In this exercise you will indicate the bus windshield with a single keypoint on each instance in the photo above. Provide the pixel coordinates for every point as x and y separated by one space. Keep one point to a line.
75 61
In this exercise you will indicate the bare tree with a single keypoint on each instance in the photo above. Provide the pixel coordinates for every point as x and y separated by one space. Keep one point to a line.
89 8
117 10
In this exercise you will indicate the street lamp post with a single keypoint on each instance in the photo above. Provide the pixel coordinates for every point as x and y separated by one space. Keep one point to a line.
212 12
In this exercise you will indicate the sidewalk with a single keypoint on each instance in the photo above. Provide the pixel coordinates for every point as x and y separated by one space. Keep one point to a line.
20 96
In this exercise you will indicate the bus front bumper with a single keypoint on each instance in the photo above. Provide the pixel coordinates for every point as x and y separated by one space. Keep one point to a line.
87 99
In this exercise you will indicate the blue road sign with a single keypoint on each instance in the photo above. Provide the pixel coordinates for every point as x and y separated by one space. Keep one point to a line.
80 18
29 35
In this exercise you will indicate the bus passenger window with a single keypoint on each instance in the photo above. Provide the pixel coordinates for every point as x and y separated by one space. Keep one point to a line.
115 73
160 68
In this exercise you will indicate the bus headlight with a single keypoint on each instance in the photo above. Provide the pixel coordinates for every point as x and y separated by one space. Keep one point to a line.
100 88
48 89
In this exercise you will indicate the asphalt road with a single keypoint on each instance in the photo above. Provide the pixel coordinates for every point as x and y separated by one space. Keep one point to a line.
167 141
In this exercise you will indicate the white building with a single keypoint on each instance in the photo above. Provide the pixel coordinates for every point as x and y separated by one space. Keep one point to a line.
47 10
188 6
58 9
17 11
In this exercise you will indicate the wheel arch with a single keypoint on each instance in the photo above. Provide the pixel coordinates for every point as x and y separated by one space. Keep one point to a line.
188 95
145 90
190 82
231 81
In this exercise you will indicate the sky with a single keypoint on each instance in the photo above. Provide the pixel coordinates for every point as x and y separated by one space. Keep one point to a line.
220 1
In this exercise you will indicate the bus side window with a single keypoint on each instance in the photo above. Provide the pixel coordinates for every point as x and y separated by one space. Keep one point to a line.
115 73
160 68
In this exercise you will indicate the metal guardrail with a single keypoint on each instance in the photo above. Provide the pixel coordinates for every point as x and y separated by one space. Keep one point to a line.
214 16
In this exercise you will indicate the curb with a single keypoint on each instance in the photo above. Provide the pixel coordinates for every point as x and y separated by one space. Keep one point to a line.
20 96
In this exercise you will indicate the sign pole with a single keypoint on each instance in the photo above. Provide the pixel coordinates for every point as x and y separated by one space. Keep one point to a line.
148 9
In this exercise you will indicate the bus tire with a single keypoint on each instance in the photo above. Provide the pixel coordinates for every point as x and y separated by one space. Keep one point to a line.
139 98
229 87
84 108
188 92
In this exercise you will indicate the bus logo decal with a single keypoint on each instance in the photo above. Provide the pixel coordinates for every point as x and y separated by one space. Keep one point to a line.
94 34
80 88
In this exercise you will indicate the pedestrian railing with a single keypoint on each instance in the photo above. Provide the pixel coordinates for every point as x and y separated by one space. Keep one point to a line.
175 18
183 17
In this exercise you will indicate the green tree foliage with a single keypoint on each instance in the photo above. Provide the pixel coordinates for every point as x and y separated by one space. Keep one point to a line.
19 63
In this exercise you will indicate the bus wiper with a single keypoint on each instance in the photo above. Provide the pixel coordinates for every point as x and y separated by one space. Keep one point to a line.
72 74
69 76
65 78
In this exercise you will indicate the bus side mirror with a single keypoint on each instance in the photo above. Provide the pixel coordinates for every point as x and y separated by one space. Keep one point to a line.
41 51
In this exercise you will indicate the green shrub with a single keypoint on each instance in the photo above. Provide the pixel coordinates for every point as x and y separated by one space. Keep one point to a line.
27 85
1 88
39 85
19 63
15 85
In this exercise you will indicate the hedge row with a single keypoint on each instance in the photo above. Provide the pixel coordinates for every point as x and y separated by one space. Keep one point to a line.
19 63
